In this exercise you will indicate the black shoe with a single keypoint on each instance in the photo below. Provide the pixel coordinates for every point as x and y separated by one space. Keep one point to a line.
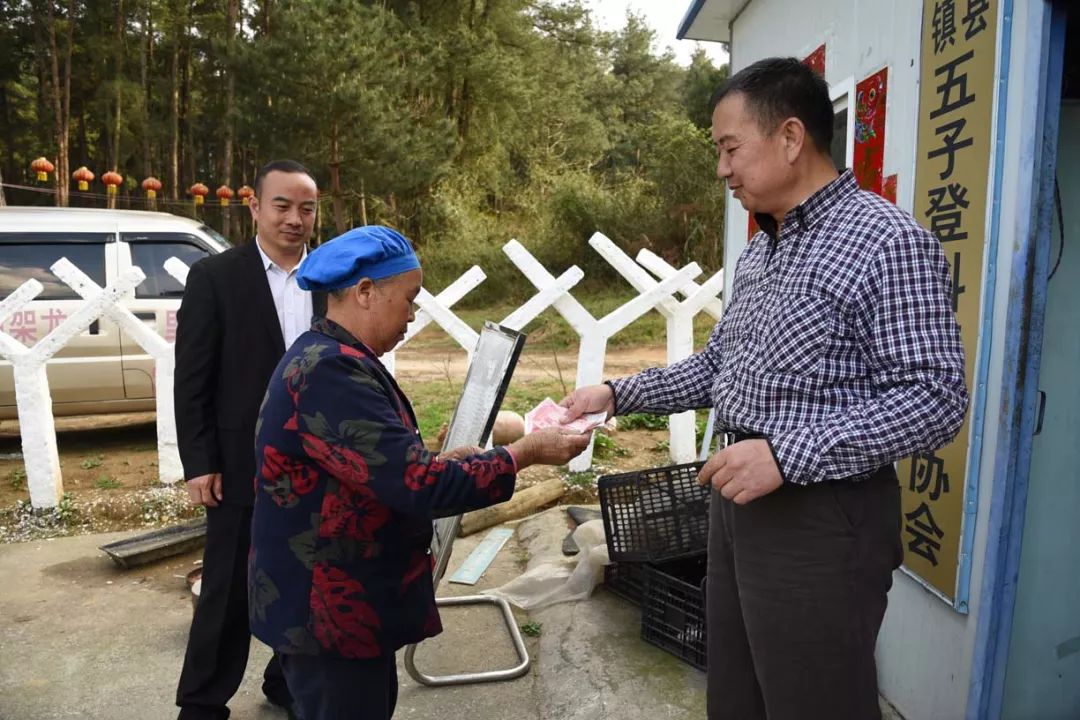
277 694
280 697
198 712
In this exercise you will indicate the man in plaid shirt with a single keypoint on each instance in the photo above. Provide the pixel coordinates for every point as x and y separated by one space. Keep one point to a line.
838 354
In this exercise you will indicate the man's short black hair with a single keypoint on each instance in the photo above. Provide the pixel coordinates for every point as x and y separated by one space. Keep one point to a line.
287 166
776 89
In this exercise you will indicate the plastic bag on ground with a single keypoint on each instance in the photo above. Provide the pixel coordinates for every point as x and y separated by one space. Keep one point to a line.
561 580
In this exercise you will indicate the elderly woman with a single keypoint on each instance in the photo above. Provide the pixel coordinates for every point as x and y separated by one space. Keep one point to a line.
340 573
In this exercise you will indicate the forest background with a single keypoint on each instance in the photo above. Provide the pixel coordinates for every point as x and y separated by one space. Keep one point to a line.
463 123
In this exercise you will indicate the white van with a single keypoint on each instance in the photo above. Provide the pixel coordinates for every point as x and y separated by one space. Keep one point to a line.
102 370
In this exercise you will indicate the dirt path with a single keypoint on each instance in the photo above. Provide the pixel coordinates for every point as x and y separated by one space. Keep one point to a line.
429 364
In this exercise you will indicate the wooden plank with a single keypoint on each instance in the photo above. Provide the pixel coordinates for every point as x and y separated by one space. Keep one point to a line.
157 544
481 557
524 502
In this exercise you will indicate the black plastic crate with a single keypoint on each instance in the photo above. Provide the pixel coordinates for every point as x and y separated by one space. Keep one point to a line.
626 579
673 610
655 515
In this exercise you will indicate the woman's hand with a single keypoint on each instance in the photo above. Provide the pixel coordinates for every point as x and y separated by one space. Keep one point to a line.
550 446
460 453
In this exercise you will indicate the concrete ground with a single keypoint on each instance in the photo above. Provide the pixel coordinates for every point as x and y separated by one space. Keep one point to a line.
81 638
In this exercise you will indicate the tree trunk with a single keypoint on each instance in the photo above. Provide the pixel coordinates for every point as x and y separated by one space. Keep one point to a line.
363 203
266 10
233 15
61 97
173 179
335 180
63 165
187 135
147 61
118 74
3 203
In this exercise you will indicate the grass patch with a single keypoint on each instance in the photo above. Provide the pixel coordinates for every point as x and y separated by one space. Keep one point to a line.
17 478
604 447
585 480
107 483
92 462
532 628
433 402
643 421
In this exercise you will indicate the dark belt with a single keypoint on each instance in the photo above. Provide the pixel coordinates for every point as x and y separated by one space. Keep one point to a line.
730 438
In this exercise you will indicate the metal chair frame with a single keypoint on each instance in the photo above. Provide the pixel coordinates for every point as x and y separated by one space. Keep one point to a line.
522 667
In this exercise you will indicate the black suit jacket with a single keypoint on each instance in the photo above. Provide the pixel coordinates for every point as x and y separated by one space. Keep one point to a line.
228 342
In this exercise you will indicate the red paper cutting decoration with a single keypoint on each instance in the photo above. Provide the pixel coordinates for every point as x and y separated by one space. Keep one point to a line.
870 130
816 61
888 189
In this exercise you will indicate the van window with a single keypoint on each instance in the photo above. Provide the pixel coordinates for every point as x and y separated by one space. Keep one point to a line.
30 255
149 251
225 242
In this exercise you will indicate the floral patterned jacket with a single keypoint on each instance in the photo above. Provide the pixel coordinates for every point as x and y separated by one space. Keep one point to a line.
345 493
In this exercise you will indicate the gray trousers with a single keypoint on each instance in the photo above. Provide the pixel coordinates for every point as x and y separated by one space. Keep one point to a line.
796 592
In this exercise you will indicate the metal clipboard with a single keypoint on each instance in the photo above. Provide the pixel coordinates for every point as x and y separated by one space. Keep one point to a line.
486 380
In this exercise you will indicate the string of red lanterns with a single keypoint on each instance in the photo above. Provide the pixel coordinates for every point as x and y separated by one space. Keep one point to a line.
112 180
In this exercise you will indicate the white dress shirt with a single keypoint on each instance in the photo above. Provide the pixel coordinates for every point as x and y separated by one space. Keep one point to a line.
294 309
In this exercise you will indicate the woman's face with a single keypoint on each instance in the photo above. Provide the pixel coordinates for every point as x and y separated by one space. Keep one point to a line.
392 309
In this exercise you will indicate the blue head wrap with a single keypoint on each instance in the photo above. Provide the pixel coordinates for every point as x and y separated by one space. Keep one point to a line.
370 251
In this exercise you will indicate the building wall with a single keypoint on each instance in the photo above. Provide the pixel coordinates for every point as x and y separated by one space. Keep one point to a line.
925 649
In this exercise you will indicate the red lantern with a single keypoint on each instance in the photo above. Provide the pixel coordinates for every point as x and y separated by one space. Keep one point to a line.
245 193
84 177
112 180
224 194
152 186
200 192
42 167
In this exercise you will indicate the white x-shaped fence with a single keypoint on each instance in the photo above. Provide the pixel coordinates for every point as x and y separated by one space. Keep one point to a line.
656 282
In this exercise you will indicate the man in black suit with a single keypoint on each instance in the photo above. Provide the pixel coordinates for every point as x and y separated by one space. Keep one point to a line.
241 310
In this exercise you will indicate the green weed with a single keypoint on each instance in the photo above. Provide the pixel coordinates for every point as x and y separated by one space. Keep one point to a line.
643 421
105 482
92 462
17 478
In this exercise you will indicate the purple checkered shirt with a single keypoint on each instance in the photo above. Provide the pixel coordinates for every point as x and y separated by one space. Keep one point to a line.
839 344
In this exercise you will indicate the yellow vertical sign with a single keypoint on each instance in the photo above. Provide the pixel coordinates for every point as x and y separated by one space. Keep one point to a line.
956 75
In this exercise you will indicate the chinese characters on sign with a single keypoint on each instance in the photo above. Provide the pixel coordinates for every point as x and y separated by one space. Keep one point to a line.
951 170
22 326
170 326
